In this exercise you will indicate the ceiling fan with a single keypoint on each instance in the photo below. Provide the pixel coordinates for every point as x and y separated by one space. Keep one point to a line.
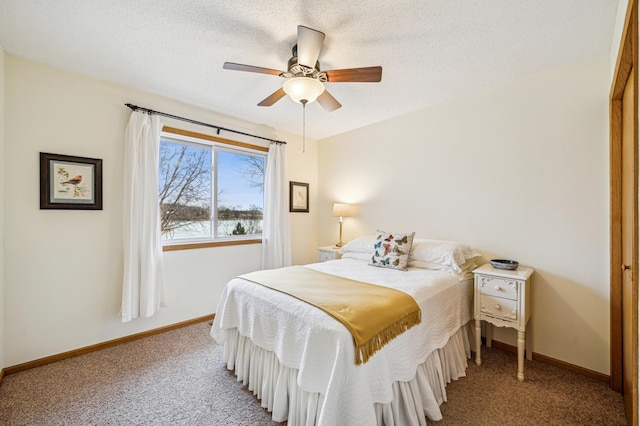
305 80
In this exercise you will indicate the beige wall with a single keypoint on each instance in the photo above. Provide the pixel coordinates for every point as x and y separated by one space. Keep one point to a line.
2 110
519 171
617 34
63 268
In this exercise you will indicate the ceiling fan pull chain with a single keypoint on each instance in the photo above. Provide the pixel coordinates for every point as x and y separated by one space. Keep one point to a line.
304 120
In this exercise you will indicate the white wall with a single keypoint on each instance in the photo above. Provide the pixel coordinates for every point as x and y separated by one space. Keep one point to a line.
2 110
63 268
617 34
519 171
302 167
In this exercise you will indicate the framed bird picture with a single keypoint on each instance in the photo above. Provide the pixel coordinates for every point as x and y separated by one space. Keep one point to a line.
72 183
298 197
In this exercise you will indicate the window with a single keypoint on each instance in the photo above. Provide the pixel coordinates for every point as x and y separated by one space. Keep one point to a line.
210 189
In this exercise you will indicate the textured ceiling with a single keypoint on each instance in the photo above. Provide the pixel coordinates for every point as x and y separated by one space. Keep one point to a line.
430 50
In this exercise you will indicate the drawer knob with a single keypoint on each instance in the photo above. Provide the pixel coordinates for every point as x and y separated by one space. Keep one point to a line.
497 307
498 288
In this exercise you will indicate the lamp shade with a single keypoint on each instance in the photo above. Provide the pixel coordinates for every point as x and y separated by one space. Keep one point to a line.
303 88
340 209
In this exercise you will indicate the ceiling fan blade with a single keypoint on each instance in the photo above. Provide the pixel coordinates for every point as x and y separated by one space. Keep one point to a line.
355 75
273 98
309 46
250 68
328 102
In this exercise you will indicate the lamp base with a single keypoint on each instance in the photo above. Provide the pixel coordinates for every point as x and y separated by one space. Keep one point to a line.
340 243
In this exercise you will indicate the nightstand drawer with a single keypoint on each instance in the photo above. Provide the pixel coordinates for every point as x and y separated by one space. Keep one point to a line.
499 287
323 256
328 253
499 307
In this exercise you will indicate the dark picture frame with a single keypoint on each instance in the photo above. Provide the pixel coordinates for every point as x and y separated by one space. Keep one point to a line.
71 183
298 197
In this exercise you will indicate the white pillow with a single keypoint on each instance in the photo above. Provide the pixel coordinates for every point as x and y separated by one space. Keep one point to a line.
357 256
465 268
359 245
441 255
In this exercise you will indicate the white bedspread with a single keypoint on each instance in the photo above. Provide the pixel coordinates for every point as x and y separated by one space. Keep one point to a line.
305 338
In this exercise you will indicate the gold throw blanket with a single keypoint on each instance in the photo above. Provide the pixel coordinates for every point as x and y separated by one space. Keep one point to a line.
373 314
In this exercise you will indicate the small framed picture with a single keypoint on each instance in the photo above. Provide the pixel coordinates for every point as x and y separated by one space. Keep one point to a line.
298 197
72 183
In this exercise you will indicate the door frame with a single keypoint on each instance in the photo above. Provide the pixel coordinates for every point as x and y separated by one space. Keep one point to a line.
626 61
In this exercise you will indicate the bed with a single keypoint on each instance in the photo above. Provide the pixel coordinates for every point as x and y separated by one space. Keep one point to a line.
299 361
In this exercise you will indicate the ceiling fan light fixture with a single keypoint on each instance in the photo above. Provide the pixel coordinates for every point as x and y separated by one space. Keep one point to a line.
303 88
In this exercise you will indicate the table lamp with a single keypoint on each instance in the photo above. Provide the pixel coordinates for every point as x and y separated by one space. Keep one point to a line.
341 210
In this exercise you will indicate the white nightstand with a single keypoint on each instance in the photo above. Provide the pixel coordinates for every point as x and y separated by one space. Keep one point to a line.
503 298
328 253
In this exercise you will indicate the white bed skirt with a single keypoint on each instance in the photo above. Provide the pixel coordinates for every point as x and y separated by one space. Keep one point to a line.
276 385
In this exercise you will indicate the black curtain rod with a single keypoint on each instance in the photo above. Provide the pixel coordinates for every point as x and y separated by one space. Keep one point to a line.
200 123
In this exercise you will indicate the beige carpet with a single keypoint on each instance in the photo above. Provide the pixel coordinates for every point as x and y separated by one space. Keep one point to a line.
177 378
492 395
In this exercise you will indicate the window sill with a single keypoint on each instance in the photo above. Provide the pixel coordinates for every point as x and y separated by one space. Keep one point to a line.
208 244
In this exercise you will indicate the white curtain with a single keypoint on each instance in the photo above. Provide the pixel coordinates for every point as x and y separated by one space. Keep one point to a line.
143 286
276 240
